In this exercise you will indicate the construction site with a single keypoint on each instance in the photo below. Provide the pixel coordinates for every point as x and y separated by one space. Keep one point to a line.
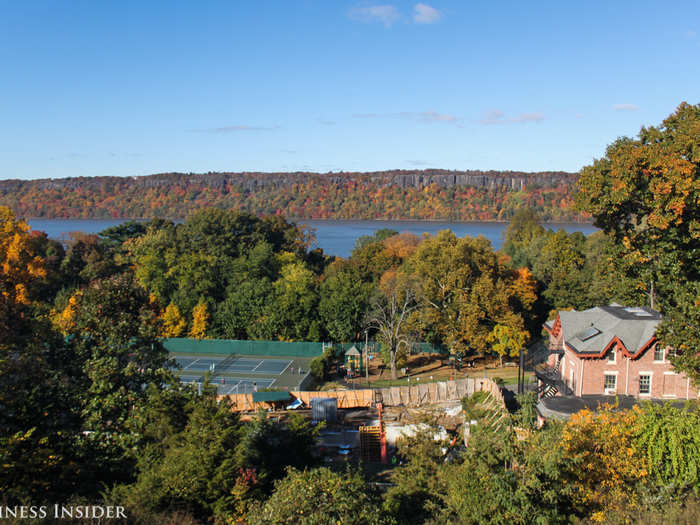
365 425
365 416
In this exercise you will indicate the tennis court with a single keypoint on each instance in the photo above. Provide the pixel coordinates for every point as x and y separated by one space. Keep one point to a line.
232 385
236 365
239 374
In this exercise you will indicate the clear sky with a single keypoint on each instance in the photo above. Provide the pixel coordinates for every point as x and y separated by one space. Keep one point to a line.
137 87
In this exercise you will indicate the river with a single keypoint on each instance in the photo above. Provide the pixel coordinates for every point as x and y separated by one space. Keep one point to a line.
335 237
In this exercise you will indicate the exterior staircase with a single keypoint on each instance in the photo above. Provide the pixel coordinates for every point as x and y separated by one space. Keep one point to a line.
551 383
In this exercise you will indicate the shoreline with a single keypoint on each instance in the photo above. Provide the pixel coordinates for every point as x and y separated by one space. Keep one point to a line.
299 220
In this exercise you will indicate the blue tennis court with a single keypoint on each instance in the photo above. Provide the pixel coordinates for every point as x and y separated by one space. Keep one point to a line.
184 362
199 365
232 385
237 365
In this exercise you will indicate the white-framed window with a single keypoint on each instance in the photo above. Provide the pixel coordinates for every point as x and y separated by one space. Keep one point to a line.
612 355
659 353
610 383
645 384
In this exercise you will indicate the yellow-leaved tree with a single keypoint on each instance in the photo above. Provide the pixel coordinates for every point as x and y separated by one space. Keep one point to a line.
64 320
200 321
19 266
174 325
507 341
20 270
604 467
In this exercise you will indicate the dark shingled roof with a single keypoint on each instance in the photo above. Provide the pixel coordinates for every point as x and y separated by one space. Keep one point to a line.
591 331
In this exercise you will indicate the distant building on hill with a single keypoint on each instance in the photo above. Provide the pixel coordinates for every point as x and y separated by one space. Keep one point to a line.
608 351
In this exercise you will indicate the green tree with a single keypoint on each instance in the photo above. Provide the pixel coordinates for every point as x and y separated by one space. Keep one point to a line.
290 312
237 315
249 292
154 254
377 237
320 497
114 236
501 480
526 415
669 438
559 266
38 396
523 230
255 274
193 468
607 275
87 259
270 447
645 192
418 483
344 301
116 355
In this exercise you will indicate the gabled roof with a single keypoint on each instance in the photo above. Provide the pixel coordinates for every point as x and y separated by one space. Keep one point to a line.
594 331
353 351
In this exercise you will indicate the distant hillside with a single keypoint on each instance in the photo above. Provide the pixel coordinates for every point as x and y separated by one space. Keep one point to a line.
399 194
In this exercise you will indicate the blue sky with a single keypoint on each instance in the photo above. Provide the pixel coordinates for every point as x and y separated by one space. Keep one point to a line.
132 88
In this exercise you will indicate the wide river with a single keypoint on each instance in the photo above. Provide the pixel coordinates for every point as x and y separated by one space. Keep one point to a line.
334 237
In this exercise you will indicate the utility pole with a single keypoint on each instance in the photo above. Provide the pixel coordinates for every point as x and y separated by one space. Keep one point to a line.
367 356
521 372
651 294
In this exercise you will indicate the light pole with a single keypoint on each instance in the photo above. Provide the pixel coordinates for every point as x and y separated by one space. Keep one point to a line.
367 356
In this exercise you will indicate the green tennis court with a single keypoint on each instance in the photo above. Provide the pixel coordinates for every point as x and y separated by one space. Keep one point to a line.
240 374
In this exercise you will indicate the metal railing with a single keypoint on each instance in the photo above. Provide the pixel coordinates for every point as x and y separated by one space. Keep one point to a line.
550 376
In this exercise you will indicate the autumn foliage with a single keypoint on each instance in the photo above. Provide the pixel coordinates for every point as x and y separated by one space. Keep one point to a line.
21 272
392 195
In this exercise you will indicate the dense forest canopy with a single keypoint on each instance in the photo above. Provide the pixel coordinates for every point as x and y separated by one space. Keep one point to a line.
111 423
399 194
91 411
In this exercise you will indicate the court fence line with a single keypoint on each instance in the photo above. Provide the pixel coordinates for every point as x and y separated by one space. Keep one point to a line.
184 345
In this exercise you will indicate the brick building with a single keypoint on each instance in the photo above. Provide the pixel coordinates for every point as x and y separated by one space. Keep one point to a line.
610 350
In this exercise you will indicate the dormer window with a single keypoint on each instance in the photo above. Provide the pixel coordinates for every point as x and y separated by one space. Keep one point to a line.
611 355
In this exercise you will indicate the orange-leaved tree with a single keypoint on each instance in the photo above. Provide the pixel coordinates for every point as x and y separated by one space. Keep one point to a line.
645 193
20 270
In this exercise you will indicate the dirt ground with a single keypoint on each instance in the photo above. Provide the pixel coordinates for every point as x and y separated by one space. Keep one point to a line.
434 367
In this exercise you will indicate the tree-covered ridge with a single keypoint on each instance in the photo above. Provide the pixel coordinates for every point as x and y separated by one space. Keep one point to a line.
90 411
420 194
